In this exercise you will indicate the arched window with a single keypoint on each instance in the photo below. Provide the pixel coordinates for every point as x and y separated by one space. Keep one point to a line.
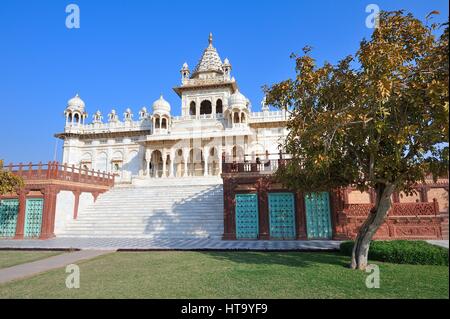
163 123
70 118
205 107
237 153
157 123
242 117
236 117
219 106
192 108
76 118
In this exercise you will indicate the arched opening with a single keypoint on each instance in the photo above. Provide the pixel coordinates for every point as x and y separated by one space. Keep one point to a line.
192 109
168 163
76 118
164 123
242 117
238 154
69 119
156 164
213 162
157 123
179 163
205 107
195 163
219 106
236 118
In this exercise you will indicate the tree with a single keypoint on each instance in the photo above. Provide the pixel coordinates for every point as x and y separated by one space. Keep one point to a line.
377 120
8 181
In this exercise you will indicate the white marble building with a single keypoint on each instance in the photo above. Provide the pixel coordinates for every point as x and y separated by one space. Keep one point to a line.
216 120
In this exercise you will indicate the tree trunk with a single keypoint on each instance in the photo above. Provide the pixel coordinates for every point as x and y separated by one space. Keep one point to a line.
368 229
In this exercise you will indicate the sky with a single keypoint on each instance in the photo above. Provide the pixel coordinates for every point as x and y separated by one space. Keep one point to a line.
127 53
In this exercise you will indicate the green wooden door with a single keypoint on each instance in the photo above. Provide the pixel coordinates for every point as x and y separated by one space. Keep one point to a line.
33 217
318 220
9 210
247 216
282 215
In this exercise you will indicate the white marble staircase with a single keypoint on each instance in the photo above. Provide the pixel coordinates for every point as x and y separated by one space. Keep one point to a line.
175 208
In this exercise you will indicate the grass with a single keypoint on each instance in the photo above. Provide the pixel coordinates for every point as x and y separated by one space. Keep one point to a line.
10 258
231 275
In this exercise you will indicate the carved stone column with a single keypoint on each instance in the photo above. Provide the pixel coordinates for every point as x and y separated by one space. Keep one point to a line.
48 213
263 204
164 167
186 158
172 162
220 163
21 216
147 162
205 159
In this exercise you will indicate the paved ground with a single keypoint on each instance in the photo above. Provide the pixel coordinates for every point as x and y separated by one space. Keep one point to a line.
176 244
167 244
36 267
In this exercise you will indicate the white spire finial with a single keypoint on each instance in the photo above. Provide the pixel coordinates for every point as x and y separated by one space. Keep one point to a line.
210 39
264 106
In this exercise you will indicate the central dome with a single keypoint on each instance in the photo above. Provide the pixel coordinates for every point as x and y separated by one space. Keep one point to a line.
161 105
238 99
76 103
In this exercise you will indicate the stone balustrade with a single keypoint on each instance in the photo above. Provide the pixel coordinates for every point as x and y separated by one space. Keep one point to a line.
63 172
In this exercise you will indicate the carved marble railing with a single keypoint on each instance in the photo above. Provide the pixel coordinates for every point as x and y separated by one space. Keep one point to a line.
207 81
256 117
64 172
200 117
397 209
108 127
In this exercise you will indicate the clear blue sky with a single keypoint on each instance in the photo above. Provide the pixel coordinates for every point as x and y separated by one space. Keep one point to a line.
128 52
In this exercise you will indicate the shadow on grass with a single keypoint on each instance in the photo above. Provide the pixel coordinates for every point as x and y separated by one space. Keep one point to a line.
291 259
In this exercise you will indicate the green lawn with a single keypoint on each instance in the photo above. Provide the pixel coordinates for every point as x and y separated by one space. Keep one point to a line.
231 275
11 258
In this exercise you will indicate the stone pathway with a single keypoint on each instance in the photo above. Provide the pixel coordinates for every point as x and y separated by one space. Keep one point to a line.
167 244
39 266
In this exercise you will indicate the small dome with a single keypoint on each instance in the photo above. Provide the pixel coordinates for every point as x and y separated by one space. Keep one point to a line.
161 105
226 62
185 66
238 99
76 103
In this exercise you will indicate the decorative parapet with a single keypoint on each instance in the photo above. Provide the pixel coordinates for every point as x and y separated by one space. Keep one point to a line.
268 116
61 172
108 127
397 209
198 117
254 163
